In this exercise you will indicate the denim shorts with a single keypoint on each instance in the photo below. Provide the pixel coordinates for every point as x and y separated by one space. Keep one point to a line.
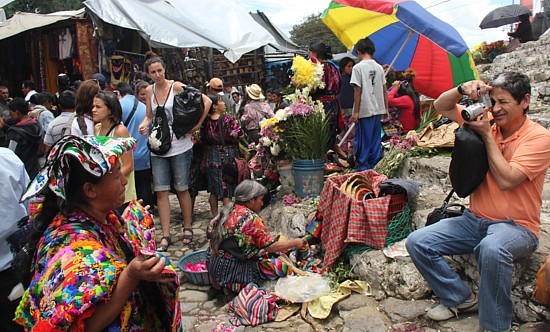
171 170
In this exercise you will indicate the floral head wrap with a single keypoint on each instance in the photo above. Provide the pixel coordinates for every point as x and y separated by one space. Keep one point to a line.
97 155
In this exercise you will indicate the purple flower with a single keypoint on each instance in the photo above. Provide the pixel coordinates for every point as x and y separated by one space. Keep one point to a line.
300 109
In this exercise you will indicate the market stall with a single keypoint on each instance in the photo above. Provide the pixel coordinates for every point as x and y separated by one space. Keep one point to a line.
40 46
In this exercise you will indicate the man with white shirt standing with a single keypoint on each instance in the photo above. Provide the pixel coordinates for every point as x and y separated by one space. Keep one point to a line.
13 185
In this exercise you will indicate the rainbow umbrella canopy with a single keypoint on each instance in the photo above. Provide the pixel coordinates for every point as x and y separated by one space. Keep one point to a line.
405 36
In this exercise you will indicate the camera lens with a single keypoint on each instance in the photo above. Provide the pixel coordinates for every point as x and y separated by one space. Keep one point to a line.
473 111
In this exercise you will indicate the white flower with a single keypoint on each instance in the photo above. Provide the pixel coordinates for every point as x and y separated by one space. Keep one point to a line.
281 115
275 149
153 141
318 77
266 141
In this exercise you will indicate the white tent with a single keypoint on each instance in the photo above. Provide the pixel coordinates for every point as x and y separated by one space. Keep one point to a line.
219 24
21 22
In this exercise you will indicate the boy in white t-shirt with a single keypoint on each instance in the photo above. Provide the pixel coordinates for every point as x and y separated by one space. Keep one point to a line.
370 102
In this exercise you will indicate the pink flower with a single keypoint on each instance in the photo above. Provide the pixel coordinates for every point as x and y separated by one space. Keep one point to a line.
300 109
290 200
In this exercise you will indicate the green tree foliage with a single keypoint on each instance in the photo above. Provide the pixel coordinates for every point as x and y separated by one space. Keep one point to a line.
312 29
42 6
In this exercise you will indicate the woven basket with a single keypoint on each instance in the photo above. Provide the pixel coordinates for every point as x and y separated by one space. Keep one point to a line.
197 278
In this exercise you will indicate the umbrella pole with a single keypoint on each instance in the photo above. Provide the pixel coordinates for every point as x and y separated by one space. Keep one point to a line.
399 52
347 134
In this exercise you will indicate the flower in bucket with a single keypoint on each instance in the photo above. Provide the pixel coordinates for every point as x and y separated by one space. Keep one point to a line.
300 131
307 130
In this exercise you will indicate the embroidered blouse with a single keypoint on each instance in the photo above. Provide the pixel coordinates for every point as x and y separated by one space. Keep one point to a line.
77 266
231 131
248 229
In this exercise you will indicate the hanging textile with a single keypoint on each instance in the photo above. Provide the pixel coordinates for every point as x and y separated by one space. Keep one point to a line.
120 68
87 48
65 44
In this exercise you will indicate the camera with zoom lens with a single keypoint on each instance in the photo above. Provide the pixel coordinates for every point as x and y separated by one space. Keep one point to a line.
473 111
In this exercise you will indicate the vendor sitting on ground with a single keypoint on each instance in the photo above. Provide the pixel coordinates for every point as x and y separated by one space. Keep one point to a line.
240 244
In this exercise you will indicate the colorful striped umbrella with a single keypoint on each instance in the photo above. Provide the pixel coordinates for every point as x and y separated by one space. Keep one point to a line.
405 36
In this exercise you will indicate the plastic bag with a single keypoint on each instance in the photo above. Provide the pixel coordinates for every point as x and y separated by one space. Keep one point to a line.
469 163
300 289
187 110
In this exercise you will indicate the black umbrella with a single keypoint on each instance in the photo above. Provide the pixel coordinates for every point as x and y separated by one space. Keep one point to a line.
503 15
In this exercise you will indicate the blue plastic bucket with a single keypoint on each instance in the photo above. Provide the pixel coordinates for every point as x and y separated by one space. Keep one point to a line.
308 176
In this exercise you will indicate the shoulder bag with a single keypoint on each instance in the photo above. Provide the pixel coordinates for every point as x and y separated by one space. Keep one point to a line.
445 211
131 115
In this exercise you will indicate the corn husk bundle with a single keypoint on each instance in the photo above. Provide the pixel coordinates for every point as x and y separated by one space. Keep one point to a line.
357 187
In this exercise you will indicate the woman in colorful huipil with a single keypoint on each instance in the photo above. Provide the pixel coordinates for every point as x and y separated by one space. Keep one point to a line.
319 52
220 133
84 273
240 244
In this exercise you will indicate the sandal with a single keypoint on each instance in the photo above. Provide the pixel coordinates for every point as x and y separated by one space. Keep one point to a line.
189 238
164 247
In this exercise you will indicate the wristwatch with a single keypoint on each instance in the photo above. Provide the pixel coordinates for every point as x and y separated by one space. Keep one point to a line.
460 90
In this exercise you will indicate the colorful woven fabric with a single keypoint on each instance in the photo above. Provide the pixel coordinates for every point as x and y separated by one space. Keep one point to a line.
273 268
97 155
315 226
346 219
253 306
77 266
140 230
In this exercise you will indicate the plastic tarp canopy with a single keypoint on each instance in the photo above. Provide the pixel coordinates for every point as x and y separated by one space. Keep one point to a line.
219 24
21 22
5 2
284 44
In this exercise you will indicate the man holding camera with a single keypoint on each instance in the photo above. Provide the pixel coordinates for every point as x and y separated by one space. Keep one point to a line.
503 220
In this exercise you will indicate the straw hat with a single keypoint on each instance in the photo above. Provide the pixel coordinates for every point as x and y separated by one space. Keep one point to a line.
254 92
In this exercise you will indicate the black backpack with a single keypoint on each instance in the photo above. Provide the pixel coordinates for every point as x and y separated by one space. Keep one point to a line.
187 111
160 138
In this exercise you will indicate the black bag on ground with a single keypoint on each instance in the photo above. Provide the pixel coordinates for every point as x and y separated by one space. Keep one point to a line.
469 163
160 138
187 111
445 211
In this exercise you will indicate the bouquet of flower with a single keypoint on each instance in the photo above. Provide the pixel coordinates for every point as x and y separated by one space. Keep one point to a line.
486 53
300 131
394 159
494 49
307 74
307 131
